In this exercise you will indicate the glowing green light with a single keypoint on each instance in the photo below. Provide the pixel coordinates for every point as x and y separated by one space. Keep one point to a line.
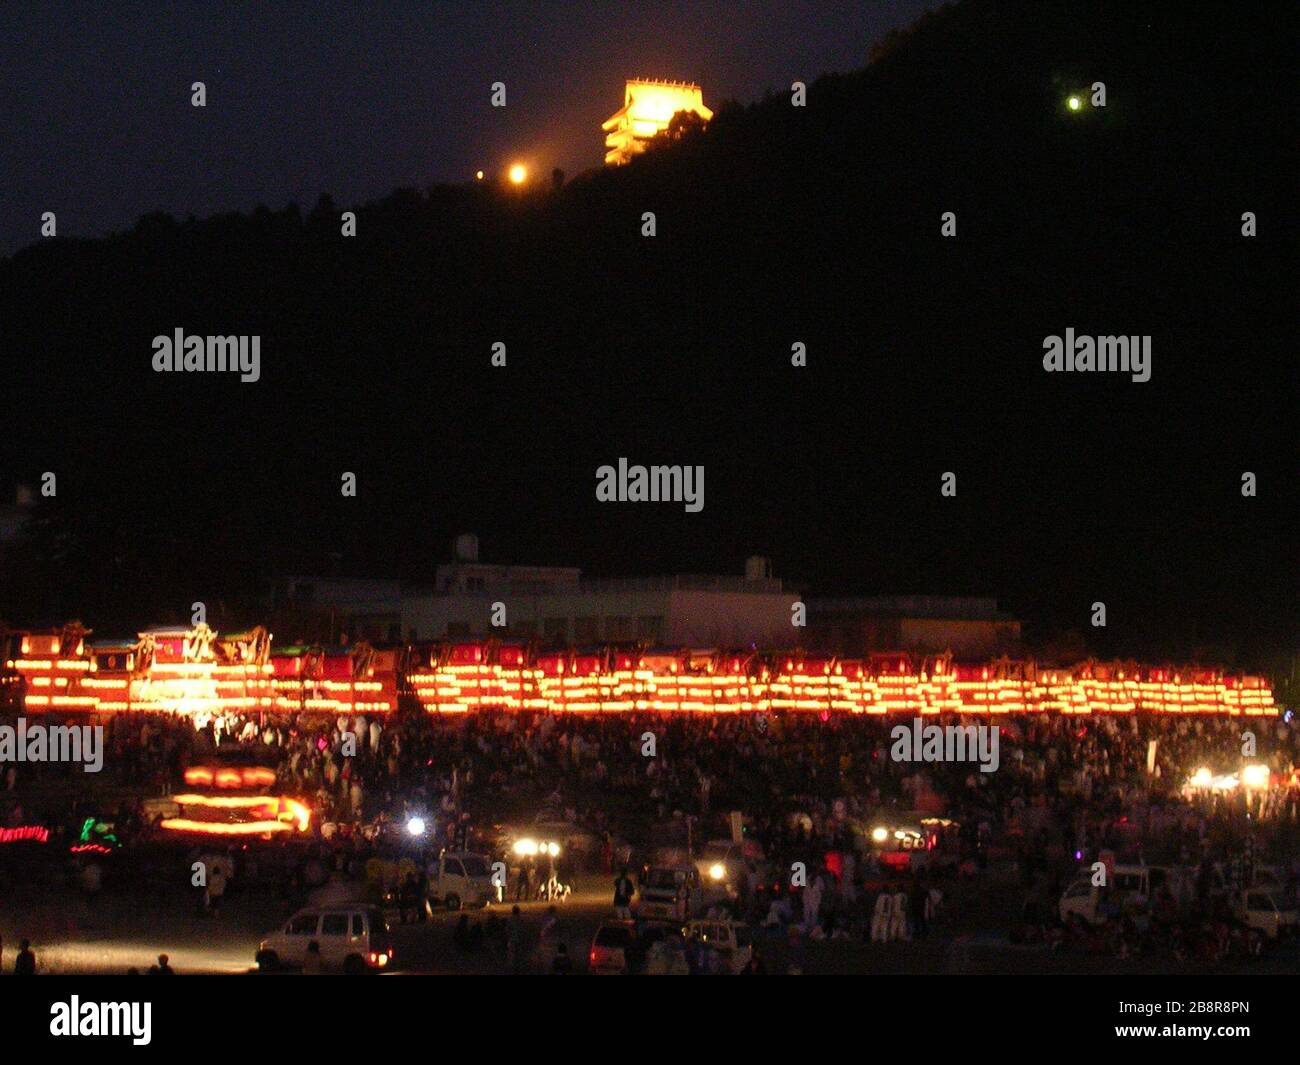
1074 103
96 827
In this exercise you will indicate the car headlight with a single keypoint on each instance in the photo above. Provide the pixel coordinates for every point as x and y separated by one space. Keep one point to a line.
1255 776
718 871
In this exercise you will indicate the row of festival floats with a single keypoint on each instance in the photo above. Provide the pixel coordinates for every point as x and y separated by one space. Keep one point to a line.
201 675
197 673
469 676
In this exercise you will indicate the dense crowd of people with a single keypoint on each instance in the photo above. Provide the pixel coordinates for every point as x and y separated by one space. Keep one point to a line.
1067 790
786 773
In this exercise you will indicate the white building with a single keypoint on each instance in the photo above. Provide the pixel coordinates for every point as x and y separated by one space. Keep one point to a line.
554 605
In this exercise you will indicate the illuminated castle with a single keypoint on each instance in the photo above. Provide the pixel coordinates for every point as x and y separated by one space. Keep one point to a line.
648 107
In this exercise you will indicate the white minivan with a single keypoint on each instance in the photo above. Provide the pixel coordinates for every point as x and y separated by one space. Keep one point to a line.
352 939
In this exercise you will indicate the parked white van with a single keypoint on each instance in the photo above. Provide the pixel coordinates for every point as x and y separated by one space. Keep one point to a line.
352 939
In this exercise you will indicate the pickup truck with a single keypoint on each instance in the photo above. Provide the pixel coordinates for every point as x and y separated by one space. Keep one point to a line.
458 878
1132 888
731 941
1259 911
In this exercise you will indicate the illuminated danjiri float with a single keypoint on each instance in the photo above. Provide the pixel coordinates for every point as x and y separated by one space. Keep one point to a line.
234 801
198 673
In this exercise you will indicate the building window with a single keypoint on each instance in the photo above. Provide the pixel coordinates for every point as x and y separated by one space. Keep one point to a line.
650 627
586 630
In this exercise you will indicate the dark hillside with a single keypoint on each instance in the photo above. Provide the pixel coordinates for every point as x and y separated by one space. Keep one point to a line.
776 225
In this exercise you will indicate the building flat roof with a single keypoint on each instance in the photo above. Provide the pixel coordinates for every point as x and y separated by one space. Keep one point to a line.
936 607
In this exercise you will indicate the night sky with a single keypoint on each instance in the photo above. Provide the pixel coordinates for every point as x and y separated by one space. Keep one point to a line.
778 224
356 100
